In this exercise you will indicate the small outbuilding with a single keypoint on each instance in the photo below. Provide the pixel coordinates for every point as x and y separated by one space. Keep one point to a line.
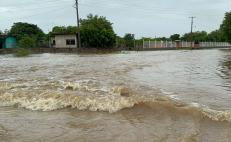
63 41
7 41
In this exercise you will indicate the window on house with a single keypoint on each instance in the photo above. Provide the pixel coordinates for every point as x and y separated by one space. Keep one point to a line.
70 42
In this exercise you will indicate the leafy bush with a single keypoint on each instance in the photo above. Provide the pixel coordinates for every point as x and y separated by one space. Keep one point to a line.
22 52
27 42
24 46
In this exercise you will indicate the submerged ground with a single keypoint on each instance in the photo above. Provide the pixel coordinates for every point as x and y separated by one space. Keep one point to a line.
174 96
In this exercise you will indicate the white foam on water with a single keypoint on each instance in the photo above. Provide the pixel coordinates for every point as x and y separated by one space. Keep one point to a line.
194 104
49 102
83 96
166 92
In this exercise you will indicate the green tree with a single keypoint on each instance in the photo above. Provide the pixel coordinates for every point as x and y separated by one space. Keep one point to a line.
175 37
160 39
226 26
21 30
64 30
120 42
27 42
216 35
195 36
97 31
129 40
58 30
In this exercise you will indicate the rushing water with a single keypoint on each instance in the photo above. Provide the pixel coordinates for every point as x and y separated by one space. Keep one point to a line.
167 96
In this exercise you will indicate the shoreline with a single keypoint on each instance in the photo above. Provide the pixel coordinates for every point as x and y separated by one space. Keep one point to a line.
99 51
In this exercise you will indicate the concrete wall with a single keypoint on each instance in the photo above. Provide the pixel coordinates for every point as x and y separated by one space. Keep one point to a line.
60 41
182 44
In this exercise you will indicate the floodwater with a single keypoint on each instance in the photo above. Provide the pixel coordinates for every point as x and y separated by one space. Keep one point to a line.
161 96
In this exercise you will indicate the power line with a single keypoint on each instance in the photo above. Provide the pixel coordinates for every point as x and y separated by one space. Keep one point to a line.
26 4
41 8
42 11
161 11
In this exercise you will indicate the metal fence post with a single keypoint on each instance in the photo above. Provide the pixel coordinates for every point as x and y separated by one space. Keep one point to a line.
149 44
155 43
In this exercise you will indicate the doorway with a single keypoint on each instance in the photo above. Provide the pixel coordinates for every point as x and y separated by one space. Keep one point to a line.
1 44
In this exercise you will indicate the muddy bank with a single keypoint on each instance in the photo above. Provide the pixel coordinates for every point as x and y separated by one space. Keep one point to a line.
100 51
64 50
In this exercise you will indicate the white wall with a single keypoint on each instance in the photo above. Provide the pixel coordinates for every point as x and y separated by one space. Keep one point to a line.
60 41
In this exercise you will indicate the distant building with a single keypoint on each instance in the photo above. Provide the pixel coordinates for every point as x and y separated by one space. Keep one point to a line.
63 41
7 41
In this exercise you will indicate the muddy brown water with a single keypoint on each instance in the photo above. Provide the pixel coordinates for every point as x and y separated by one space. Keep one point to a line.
174 96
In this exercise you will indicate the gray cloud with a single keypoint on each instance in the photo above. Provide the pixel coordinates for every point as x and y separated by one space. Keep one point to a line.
144 18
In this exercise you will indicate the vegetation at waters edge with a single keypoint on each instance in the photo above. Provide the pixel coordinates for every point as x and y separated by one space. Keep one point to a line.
126 41
24 46
22 52
129 40
27 42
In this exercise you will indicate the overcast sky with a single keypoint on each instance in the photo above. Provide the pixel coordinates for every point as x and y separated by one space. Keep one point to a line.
144 18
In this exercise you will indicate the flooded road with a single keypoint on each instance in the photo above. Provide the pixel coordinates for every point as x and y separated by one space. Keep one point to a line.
167 96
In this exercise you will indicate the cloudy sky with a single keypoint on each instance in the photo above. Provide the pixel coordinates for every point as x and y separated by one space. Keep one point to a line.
148 18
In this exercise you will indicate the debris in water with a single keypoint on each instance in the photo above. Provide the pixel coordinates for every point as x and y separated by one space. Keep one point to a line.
122 91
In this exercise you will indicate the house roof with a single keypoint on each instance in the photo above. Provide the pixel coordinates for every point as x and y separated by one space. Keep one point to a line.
54 34
3 35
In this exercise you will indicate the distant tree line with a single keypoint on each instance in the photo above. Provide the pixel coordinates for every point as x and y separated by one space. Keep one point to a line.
97 31
223 34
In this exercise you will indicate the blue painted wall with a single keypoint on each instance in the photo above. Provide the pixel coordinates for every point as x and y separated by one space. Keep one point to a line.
10 42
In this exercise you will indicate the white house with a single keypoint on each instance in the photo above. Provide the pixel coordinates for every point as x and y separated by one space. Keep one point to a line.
64 41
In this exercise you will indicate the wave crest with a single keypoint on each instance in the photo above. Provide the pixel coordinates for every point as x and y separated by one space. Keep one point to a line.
98 99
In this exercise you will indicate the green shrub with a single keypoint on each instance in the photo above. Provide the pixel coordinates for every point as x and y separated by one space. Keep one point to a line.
22 52
24 46
27 42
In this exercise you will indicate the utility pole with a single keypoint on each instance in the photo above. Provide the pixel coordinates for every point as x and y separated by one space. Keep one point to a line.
78 30
192 22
